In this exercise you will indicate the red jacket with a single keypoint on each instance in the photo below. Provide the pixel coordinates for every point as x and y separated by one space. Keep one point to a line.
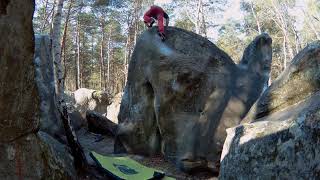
157 13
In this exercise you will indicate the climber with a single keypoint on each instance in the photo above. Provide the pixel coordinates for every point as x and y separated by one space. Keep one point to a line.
156 13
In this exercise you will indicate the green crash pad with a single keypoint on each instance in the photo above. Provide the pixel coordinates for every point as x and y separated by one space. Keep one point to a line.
126 168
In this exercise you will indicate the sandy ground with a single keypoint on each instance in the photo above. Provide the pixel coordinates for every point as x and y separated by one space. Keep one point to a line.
90 142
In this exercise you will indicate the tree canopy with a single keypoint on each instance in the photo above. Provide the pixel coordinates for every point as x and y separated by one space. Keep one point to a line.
98 36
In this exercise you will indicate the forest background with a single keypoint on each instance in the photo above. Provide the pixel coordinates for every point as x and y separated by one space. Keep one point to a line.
94 39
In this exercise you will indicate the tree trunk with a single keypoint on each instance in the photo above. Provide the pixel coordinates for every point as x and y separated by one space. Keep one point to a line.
102 71
125 66
102 68
137 8
284 28
312 27
46 16
56 49
256 18
109 57
127 48
297 39
200 23
78 83
64 39
82 79
204 27
198 18
284 53
77 152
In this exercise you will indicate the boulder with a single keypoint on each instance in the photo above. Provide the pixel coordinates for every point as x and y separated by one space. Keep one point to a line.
35 156
44 76
114 108
282 141
50 121
100 124
93 100
183 93
62 161
76 120
297 82
24 155
19 100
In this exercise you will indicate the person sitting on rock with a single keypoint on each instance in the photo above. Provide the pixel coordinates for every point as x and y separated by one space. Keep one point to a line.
156 13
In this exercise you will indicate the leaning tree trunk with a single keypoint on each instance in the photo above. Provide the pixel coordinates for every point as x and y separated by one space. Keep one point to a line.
56 49
80 161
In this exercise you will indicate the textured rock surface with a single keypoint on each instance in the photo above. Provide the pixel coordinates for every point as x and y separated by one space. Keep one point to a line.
100 124
29 157
114 108
24 155
93 100
50 121
59 159
183 93
49 118
19 100
300 80
283 140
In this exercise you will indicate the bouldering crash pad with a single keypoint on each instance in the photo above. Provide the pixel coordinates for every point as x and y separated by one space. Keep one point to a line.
124 168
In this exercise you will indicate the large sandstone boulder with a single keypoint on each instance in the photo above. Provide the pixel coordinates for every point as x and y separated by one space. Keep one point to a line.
93 100
183 93
283 139
24 155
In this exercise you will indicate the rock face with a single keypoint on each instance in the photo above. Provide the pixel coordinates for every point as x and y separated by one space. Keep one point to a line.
61 161
283 139
183 93
19 100
33 157
114 108
49 117
93 100
297 82
24 155
50 121
100 124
